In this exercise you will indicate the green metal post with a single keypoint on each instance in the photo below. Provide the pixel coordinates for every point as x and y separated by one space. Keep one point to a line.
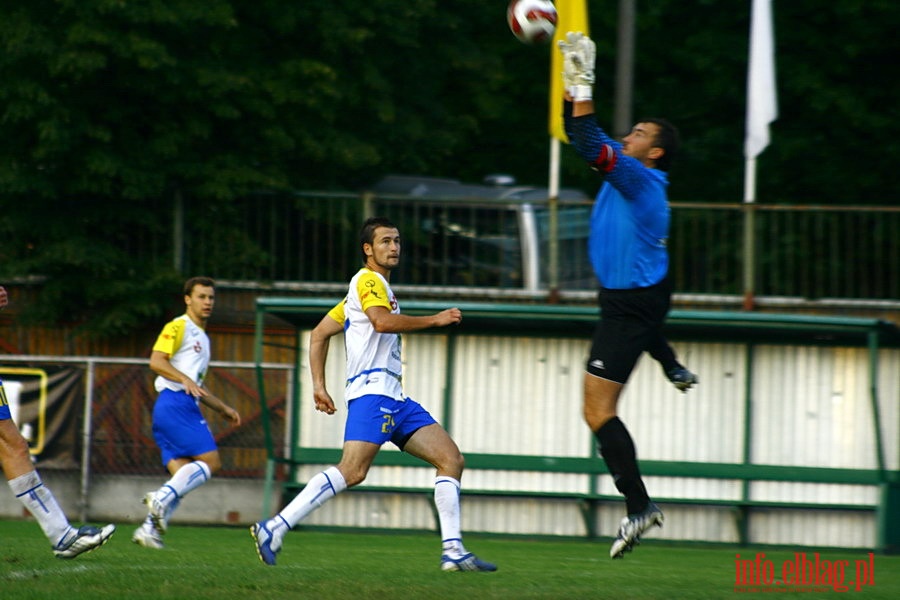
264 412
743 513
887 519
449 382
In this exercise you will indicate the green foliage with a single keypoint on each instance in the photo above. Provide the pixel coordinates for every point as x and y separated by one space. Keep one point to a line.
109 109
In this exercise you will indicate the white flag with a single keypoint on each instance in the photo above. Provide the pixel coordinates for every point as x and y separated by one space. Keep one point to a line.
762 106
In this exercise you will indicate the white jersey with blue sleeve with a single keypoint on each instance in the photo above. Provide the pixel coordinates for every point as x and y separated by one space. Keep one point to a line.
373 359
187 347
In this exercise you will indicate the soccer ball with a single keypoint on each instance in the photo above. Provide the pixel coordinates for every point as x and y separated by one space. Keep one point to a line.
532 21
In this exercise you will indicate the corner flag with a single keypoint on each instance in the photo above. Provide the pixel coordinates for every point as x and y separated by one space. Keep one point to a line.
572 17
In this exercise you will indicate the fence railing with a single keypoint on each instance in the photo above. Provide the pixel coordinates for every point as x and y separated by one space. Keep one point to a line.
849 253
811 252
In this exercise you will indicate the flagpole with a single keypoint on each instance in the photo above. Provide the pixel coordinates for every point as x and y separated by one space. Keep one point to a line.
624 69
572 17
749 232
553 188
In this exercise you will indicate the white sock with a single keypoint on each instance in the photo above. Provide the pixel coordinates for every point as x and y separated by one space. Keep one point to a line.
185 480
39 501
446 499
321 488
147 525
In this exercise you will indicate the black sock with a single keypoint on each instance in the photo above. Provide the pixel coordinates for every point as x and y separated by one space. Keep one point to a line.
664 354
617 449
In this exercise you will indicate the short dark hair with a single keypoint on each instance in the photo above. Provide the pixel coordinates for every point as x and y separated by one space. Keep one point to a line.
193 282
367 232
668 139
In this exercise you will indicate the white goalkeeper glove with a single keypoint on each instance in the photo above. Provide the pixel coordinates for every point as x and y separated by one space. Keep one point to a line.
567 49
579 55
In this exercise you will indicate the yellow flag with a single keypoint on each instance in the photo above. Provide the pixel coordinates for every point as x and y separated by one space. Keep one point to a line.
572 16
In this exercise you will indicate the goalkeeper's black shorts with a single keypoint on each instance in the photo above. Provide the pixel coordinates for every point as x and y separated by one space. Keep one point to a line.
630 323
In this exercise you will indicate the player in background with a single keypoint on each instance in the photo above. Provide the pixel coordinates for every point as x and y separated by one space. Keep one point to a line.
378 411
629 229
180 359
26 484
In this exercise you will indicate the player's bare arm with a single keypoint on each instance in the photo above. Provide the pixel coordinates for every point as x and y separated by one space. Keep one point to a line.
160 364
319 341
216 403
384 321
582 108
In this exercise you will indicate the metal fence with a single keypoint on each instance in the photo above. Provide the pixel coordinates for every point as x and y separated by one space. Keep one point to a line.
811 252
849 253
108 430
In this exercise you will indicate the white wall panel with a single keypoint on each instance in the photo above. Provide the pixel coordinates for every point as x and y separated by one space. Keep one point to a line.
522 516
425 371
703 424
690 487
318 430
790 491
810 407
813 528
375 510
519 396
525 481
889 405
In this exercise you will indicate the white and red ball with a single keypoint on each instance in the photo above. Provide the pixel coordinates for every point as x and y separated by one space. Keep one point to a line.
532 21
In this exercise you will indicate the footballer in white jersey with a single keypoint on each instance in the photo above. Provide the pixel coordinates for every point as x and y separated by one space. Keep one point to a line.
377 410
187 447
187 346
373 359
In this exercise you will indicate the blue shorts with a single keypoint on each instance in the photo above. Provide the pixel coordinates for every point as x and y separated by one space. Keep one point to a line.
4 407
377 419
179 428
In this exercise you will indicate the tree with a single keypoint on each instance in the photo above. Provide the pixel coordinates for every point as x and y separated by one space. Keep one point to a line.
115 113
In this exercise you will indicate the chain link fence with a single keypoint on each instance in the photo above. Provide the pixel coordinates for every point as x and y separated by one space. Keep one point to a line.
94 414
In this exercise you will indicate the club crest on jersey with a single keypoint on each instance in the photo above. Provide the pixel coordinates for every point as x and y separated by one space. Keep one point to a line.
198 347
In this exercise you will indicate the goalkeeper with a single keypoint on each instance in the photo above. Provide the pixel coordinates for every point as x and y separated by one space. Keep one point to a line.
629 228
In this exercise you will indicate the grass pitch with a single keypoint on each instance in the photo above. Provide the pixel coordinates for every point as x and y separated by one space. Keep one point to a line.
221 563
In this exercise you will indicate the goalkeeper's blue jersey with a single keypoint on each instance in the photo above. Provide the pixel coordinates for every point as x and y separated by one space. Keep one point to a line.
630 217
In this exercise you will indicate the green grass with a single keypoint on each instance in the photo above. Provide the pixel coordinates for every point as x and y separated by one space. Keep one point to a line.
221 563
